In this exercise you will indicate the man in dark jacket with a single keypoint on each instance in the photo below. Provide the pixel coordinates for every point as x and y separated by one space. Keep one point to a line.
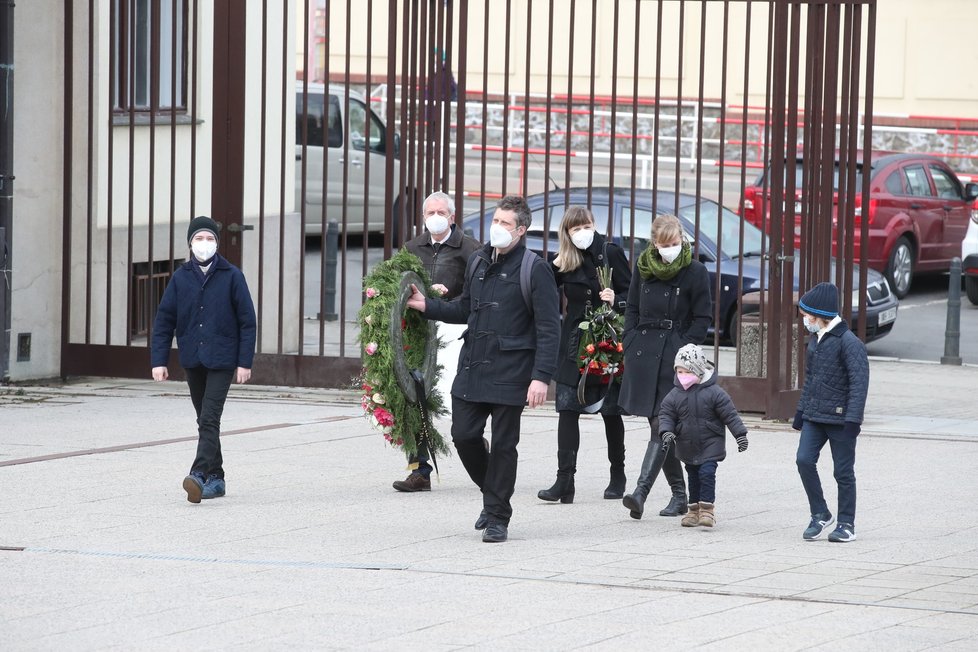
208 307
508 357
445 251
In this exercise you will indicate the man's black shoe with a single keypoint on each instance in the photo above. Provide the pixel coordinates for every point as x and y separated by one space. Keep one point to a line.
495 533
482 522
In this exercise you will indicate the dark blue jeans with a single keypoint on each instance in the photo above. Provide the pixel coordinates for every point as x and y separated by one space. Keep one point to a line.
209 390
494 472
813 438
702 482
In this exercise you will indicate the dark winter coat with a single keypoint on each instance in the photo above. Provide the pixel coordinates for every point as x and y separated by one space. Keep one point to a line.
836 378
581 288
661 317
506 345
447 265
697 416
212 317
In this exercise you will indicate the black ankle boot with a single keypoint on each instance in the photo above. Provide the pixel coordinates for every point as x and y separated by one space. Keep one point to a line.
655 454
563 488
616 487
677 506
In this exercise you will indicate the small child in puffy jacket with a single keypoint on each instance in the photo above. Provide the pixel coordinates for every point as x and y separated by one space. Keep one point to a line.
694 415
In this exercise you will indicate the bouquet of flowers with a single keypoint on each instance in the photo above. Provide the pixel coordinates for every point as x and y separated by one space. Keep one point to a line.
600 352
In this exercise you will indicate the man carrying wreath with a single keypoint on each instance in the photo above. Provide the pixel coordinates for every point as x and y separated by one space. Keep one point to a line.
509 354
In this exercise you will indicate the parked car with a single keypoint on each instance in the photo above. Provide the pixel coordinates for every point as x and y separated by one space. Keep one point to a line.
881 305
327 144
969 257
918 213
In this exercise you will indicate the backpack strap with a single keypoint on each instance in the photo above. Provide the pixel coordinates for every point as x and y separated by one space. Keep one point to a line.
526 274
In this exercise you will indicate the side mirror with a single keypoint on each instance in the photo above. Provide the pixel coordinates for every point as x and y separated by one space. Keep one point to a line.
397 145
971 191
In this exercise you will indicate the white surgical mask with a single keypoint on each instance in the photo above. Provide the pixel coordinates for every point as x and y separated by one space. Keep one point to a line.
583 238
670 254
203 249
499 236
436 223
810 324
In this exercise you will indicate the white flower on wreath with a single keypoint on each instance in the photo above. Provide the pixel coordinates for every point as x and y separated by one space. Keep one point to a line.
378 398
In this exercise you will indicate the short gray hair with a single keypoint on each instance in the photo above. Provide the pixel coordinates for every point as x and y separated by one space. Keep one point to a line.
439 195
518 205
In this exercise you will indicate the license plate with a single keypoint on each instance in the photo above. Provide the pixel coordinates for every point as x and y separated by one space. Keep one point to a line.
887 316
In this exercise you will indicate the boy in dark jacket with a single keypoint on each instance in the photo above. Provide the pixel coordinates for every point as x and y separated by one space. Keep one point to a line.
694 415
830 409
208 306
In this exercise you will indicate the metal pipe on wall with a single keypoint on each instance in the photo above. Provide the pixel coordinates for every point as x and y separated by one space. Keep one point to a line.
6 177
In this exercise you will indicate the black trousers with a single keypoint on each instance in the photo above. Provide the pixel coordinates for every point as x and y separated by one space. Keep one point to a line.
672 468
492 469
209 390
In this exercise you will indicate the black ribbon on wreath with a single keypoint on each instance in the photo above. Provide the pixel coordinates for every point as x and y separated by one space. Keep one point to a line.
415 383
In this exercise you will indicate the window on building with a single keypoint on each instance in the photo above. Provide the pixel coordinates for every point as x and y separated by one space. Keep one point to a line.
137 25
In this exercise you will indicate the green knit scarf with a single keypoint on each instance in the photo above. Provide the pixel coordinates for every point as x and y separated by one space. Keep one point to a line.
650 263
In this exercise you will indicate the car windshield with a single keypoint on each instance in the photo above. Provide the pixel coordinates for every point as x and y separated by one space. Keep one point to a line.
712 216
800 179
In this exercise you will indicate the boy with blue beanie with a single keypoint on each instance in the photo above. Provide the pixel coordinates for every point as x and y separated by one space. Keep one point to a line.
830 409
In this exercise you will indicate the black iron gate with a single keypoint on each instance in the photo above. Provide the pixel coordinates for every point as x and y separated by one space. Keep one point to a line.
319 122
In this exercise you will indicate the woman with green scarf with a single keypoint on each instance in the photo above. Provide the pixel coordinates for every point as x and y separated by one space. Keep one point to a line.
669 305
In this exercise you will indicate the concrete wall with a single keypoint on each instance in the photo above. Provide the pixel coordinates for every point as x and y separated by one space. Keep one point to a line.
37 203
925 56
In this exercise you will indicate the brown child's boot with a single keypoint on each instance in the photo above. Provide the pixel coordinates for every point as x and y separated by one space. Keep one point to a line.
692 518
706 515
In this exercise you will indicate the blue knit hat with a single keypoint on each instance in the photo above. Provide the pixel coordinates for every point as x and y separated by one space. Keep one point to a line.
821 301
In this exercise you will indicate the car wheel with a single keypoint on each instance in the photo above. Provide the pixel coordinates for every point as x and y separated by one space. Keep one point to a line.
732 325
971 287
899 270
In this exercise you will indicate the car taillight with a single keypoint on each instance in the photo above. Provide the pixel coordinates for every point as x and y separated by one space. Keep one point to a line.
858 211
750 194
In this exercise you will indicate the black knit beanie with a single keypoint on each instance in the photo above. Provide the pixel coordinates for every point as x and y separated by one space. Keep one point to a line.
203 223
821 301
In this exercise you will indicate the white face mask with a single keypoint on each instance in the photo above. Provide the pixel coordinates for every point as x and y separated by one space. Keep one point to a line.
810 324
670 254
436 224
203 249
583 238
499 236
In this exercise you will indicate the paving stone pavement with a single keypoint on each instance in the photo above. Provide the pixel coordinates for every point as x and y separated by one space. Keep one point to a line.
312 549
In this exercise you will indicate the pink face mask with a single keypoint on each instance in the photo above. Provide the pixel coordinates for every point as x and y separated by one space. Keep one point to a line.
687 379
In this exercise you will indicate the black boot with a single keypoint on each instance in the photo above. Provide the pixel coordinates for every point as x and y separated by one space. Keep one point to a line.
654 456
563 488
614 431
673 471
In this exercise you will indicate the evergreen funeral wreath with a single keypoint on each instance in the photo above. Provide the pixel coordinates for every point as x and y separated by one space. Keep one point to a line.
383 321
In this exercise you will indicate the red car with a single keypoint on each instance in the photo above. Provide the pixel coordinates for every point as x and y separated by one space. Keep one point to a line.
918 214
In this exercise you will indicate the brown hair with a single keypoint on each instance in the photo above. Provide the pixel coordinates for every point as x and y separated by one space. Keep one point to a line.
519 206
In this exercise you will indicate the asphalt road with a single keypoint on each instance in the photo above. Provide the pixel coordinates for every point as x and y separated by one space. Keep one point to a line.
919 332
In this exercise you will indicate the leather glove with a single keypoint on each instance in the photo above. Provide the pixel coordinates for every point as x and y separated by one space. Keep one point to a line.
797 423
741 442
668 438
851 429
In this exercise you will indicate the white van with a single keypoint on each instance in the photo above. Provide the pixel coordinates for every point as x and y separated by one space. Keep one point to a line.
325 140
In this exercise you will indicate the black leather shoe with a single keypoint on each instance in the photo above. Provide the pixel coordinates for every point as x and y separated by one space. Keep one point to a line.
482 522
677 506
495 533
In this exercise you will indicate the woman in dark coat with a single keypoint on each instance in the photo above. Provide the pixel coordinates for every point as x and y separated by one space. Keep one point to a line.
581 252
668 306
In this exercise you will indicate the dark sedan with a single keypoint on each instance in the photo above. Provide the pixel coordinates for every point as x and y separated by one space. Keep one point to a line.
881 303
